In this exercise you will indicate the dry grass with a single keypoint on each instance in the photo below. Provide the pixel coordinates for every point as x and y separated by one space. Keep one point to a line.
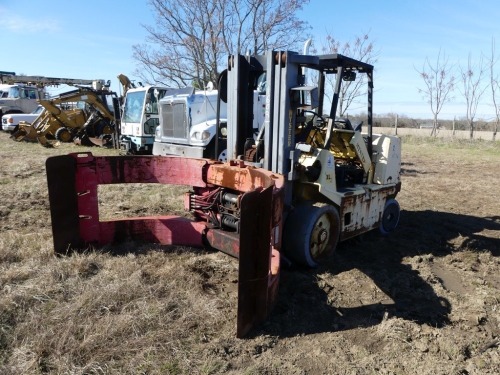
96 313
383 306
118 201
93 312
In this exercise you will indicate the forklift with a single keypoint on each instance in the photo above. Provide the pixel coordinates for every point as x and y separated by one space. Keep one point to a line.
290 193
339 182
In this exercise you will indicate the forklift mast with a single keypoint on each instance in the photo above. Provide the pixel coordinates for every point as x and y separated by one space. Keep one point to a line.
287 97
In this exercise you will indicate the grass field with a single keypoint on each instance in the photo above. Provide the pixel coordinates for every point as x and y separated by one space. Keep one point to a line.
424 300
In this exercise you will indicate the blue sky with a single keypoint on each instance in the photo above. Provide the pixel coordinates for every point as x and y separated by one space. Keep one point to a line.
93 39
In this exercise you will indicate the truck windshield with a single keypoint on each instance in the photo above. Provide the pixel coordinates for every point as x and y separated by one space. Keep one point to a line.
14 92
133 106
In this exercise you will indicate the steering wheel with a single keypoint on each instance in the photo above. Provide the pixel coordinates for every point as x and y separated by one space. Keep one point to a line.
315 118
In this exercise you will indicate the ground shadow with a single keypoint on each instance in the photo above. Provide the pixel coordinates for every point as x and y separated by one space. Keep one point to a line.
304 308
409 169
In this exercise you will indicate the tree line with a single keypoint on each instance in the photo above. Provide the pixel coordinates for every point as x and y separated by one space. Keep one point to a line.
472 80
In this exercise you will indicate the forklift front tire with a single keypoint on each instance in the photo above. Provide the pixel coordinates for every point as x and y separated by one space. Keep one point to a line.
311 233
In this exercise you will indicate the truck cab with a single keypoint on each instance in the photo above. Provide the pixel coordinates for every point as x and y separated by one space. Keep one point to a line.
140 119
19 98
188 119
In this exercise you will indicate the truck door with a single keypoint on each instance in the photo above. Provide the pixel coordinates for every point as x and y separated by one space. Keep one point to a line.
28 97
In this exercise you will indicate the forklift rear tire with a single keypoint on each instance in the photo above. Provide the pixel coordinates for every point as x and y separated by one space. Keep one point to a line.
311 233
390 216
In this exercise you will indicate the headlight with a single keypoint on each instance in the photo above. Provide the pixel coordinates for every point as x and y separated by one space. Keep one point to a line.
200 136
11 120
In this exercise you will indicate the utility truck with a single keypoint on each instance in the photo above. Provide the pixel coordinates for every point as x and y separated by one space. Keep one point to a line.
307 180
19 98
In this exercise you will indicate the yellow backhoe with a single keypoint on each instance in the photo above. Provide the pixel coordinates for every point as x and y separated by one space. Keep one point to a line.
91 122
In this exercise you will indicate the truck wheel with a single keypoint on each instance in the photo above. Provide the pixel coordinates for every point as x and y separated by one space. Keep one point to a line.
390 216
62 134
222 156
311 233
210 151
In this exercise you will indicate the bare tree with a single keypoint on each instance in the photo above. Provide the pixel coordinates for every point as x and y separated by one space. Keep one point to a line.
472 89
360 48
495 88
439 83
191 39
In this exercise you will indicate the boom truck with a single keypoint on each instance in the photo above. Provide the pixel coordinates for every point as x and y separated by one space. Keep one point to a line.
19 93
305 182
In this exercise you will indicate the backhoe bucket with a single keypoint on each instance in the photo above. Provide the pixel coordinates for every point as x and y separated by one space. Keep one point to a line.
24 133
249 199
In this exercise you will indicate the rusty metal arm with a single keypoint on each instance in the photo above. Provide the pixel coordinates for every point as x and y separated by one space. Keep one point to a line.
73 181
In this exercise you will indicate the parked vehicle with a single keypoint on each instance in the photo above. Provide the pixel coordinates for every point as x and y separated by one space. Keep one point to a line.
11 121
140 119
19 98
94 120
188 120
308 180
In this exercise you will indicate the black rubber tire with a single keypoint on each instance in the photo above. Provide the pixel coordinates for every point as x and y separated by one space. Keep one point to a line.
63 135
311 233
209 152
390 216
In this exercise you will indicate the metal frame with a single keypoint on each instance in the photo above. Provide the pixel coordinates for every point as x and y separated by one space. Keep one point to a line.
73 181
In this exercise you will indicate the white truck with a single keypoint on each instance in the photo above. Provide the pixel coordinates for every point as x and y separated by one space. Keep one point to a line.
12 120
19 98
140 119
188 120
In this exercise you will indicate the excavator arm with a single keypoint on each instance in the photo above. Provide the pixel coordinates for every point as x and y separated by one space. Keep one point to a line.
86 95
125 82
